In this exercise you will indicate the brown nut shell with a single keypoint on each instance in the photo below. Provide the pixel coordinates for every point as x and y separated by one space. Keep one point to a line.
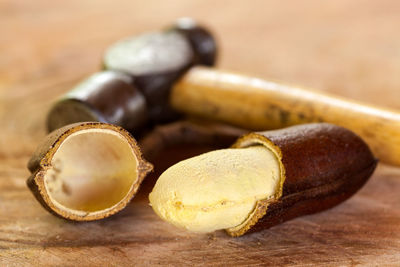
321 165
109 149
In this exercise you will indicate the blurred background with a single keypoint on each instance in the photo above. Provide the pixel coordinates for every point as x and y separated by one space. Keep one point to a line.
350 48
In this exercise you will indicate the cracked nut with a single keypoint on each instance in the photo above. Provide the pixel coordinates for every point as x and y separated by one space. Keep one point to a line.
87 171
265 179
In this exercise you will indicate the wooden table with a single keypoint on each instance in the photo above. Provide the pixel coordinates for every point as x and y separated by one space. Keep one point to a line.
351 48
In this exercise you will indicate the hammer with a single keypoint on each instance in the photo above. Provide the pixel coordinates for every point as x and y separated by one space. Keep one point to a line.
152 79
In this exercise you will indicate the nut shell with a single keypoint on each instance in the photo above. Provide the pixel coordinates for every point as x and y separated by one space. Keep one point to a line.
40 162
321 166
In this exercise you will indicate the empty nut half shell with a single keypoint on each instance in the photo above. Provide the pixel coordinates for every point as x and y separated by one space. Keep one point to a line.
87 171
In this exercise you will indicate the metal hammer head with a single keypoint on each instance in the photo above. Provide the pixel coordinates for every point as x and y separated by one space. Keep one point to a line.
134 88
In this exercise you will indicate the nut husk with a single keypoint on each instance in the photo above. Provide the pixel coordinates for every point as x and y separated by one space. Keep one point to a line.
111 141
321 166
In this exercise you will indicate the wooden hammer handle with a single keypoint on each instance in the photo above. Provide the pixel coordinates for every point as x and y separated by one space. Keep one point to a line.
258 104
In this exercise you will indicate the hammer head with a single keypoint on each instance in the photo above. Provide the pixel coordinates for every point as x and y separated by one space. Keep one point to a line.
156 60
201 40
106 96
150 63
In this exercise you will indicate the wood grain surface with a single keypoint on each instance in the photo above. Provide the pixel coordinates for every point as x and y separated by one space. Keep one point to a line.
351 48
